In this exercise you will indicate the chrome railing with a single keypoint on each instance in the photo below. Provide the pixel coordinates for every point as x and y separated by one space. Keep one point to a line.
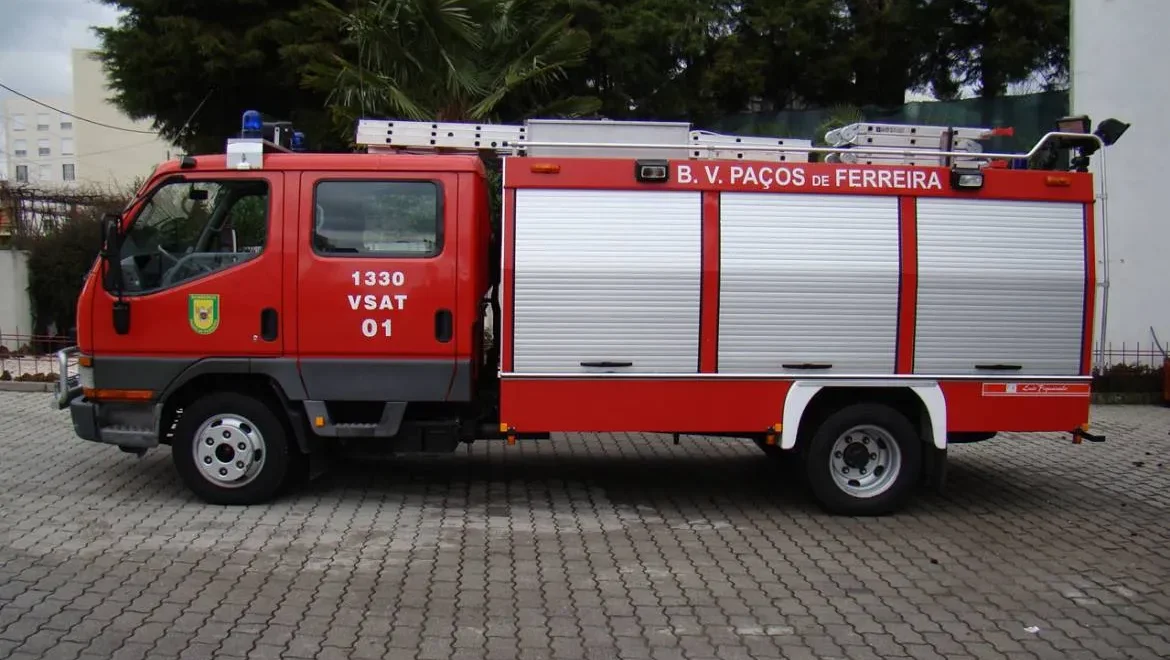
67 387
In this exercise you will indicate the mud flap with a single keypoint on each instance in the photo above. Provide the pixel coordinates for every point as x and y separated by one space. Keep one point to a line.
934 468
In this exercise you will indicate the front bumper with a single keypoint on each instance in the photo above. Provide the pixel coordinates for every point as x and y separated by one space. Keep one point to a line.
131 426
85 419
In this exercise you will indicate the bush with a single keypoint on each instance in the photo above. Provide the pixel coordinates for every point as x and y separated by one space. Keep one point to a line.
57 265
1128 379
59 257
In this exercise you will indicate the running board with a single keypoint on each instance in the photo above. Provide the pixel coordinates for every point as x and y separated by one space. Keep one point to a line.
324 426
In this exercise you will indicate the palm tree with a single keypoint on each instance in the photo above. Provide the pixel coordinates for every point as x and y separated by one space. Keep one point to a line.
452 60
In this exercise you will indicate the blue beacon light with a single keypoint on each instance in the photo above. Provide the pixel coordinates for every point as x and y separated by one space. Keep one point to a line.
253 125
298 141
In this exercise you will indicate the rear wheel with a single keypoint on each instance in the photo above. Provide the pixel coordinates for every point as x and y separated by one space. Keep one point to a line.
231 448
863 460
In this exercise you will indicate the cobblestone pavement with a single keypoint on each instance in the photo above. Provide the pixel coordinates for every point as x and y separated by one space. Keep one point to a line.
586 547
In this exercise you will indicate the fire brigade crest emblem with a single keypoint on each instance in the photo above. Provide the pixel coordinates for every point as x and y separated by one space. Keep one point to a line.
203 312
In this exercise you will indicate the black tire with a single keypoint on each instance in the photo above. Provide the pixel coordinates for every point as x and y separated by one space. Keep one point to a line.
273 470
819 469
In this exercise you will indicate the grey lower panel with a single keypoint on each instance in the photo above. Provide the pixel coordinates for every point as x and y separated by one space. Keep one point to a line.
146 373
320 379
385 380
461 387
167 374
285 372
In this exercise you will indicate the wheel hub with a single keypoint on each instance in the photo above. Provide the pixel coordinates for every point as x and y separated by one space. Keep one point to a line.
229 450
865 461
856 455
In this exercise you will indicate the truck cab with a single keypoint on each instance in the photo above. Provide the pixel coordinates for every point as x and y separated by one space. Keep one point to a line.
318 285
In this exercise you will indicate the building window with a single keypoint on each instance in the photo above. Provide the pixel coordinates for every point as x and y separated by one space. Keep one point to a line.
18 122
69 172
42 121
45 173
66 122
43 147
66 146
22 173
378 219
20 148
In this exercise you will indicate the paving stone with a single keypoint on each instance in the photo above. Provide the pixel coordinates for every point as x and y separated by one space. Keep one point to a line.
589 546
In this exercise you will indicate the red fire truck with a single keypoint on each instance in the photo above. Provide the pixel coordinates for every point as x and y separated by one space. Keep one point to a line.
854 308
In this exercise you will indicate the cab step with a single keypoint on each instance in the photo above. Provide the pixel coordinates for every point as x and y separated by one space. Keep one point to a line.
322 424
129 437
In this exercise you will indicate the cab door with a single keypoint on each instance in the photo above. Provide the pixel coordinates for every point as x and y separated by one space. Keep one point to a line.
201 261
376 285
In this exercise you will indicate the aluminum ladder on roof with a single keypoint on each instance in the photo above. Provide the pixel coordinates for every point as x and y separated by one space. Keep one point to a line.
861 143
876 143
576 137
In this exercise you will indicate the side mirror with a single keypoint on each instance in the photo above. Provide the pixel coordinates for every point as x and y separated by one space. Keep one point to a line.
110 230
112 255
111 251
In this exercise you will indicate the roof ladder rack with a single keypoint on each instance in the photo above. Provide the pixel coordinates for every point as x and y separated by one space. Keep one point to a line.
864 143
596 138
875 139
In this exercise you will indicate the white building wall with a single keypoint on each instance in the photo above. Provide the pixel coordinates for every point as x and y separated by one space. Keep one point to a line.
1119 55
15 312
3 147
30 128
109 157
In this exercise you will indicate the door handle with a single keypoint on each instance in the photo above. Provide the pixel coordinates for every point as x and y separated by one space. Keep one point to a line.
606 363
443 325
807 365
269 326
1000 367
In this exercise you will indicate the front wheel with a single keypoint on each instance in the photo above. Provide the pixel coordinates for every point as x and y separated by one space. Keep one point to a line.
231 448
863 460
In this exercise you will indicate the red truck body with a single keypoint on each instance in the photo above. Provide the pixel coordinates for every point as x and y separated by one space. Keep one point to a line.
710 400
859 317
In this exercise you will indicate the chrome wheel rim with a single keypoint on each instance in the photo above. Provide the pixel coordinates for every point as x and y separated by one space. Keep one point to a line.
865 461
229 450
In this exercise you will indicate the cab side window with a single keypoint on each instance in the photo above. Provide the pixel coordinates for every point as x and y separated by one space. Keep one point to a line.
377 219
189 229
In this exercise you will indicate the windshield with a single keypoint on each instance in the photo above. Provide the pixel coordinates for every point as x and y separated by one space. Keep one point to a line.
188 229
